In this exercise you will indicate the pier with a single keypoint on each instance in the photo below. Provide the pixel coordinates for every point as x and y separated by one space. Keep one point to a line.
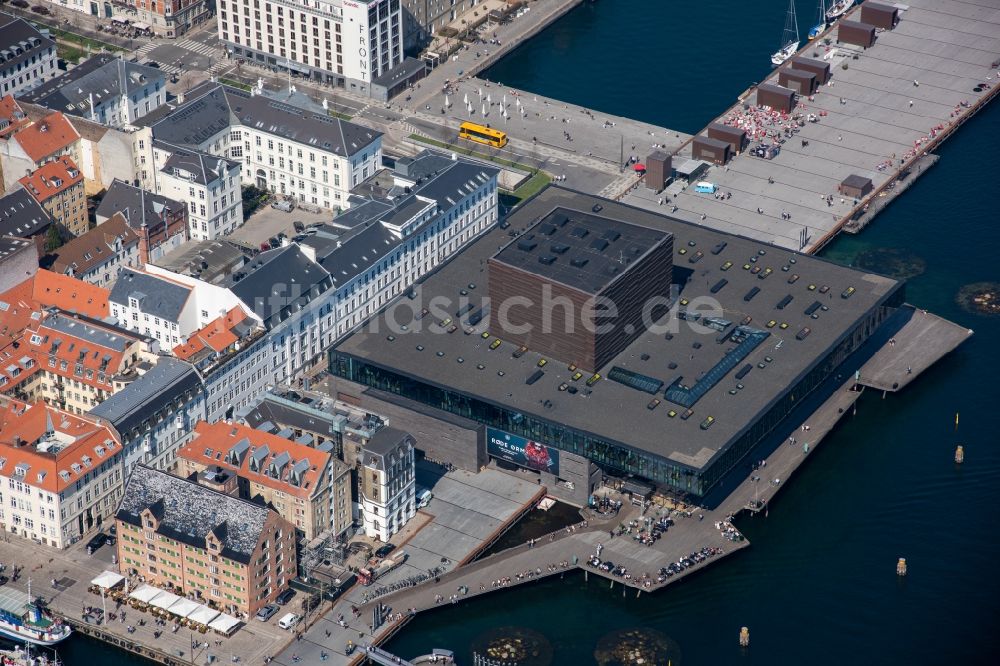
884 110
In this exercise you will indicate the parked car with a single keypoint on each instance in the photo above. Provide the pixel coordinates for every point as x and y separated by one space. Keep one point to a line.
96 542
384 550
267 612
288 620
298 226
285 205
285 597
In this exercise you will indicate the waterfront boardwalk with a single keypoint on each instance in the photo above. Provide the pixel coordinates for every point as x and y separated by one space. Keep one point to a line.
924 339
73 570
884 107
566 550
591 156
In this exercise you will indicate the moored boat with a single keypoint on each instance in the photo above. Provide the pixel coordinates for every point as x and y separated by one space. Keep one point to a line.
26 621
820 26
838 9
790 37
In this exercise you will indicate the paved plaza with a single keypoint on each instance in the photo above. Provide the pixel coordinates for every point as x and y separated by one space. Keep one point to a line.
73 569
467 510
878 112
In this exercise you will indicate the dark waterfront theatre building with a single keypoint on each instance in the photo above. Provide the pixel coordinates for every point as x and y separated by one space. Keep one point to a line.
678 403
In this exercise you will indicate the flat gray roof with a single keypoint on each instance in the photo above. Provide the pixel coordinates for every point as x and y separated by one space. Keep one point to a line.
580 250
614 411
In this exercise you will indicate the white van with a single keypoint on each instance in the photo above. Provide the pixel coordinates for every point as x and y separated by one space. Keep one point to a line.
288 621
424 497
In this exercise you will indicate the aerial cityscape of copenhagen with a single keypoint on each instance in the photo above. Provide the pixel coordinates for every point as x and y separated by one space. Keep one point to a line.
498 332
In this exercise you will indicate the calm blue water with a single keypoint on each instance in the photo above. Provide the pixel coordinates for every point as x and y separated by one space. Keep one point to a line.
673 64
818 586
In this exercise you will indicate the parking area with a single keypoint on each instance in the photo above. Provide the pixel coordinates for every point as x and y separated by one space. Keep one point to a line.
267 222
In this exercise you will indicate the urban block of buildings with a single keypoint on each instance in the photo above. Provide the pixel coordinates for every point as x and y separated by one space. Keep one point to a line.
308 155
189 539
58 187
27 56
352 44
64 472
105 88
298 481
159 222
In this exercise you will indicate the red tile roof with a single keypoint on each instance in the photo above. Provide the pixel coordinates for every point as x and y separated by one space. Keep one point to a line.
52 178
85 349
212 440
49 135
90 443
217 335
16 309
70 294
95 247
12 113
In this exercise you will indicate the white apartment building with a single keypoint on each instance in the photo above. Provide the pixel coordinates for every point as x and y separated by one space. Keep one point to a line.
64 472
315 158
348 43
209 185
310 294
387 483
27 57
156 413
167 306
105 88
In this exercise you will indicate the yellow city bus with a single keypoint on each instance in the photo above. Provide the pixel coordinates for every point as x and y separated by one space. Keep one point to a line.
482 134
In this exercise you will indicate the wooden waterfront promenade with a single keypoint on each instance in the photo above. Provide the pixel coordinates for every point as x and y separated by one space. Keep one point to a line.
922 340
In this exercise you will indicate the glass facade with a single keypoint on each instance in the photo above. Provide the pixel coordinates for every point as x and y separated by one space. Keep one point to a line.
606 453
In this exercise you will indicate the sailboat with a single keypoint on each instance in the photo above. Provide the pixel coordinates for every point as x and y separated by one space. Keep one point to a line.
838 9
820 26
789 39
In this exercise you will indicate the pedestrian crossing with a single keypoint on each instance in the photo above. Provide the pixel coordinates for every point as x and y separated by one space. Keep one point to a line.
197 47
168 69
220 67
145 49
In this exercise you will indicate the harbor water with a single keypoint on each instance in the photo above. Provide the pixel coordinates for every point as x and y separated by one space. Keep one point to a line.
819 584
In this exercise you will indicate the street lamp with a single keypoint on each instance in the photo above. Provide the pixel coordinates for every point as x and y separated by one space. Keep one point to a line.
756 492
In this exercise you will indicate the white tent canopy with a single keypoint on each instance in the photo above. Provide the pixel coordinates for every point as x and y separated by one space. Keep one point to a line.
184 607
224 624
145 593
164 600
108 579
203 615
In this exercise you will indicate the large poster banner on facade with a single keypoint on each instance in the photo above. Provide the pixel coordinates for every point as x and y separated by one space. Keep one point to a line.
521 451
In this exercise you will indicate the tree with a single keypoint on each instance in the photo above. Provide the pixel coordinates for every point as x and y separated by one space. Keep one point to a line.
53 239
